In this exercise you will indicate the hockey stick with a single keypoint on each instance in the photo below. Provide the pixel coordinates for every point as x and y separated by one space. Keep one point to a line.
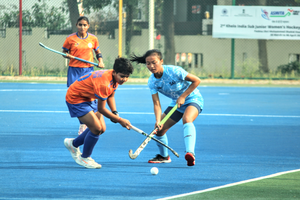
147 140
67 55
153 138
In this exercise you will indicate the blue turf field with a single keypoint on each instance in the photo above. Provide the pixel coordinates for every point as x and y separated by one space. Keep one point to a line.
243 133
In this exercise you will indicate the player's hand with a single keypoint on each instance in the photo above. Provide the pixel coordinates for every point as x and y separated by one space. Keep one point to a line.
101 64
125 123
180 101
159 127
66 56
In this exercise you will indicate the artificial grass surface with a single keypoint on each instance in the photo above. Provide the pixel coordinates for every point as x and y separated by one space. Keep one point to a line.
286 186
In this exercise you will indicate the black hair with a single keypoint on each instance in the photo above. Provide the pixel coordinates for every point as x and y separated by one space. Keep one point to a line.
123 65
142 59
83 18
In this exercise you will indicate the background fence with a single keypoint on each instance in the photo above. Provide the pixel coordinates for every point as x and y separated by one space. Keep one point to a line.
183 32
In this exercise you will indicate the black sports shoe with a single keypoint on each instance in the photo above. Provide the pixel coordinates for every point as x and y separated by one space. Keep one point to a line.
159 159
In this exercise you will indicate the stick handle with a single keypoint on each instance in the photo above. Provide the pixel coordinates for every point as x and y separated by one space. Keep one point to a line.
168 115
67 55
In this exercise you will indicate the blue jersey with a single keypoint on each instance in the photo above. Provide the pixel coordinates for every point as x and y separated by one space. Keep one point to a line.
172 84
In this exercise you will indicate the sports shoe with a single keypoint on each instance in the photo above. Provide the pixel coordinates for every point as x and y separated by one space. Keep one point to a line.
75 152
190 158
82 128
87 162
159 159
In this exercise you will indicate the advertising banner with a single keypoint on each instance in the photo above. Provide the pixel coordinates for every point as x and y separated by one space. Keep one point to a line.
257 22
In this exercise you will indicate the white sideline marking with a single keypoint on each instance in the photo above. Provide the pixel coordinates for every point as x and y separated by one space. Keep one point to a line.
243 115
31 90
34 111
151 113
231 184
55 90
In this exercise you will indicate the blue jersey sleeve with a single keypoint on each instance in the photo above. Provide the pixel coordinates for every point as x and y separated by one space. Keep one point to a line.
151 85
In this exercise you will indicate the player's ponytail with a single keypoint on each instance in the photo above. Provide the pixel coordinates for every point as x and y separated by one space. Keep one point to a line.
142 59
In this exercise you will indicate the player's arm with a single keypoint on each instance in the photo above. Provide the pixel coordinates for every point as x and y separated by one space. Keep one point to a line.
111 102
157 109
107 113
66 52
112 105
195 82
99 58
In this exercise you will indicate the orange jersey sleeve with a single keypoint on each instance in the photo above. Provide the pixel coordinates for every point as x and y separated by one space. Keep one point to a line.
95 85
81 48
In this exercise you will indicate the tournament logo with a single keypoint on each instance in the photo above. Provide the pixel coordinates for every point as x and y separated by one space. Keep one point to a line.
224 11
279 13
265 14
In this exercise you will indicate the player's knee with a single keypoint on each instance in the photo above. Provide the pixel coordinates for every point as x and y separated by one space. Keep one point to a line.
187 119
161 132
97 130
103 129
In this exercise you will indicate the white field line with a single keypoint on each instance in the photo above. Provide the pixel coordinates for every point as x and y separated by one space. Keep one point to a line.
151 113
32 90
56 90
231 184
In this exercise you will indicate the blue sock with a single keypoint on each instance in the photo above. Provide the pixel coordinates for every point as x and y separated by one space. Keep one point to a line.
89 144
189 133
80 139
163 150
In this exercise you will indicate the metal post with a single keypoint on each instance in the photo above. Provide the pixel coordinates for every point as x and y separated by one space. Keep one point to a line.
232 51
20 37
120 26
151 24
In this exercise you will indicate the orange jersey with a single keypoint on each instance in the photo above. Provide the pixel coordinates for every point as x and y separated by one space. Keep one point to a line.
81 48
95 85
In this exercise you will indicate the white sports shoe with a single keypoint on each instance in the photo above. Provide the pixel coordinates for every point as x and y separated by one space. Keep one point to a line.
82 128
87 162
75 152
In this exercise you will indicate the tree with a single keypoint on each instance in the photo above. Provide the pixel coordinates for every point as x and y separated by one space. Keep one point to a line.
130 7
73 13
40 15
130 11
168 31
53 18
262 47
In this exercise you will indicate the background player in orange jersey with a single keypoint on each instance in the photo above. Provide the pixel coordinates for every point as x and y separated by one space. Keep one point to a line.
80 99
81 44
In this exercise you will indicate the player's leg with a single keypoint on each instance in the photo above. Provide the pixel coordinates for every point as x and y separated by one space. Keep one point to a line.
189 131
163 156
92 136
75 73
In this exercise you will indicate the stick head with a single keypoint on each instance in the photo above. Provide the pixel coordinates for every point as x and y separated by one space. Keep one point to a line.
131 155
41 44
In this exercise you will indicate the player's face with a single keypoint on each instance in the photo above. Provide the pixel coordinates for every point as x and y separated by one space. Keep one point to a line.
154 64
120 78
82 27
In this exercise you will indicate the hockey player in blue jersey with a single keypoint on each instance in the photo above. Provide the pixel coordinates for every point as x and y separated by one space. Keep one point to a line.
180 86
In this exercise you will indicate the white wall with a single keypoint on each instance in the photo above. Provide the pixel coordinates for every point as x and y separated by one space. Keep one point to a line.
216 52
